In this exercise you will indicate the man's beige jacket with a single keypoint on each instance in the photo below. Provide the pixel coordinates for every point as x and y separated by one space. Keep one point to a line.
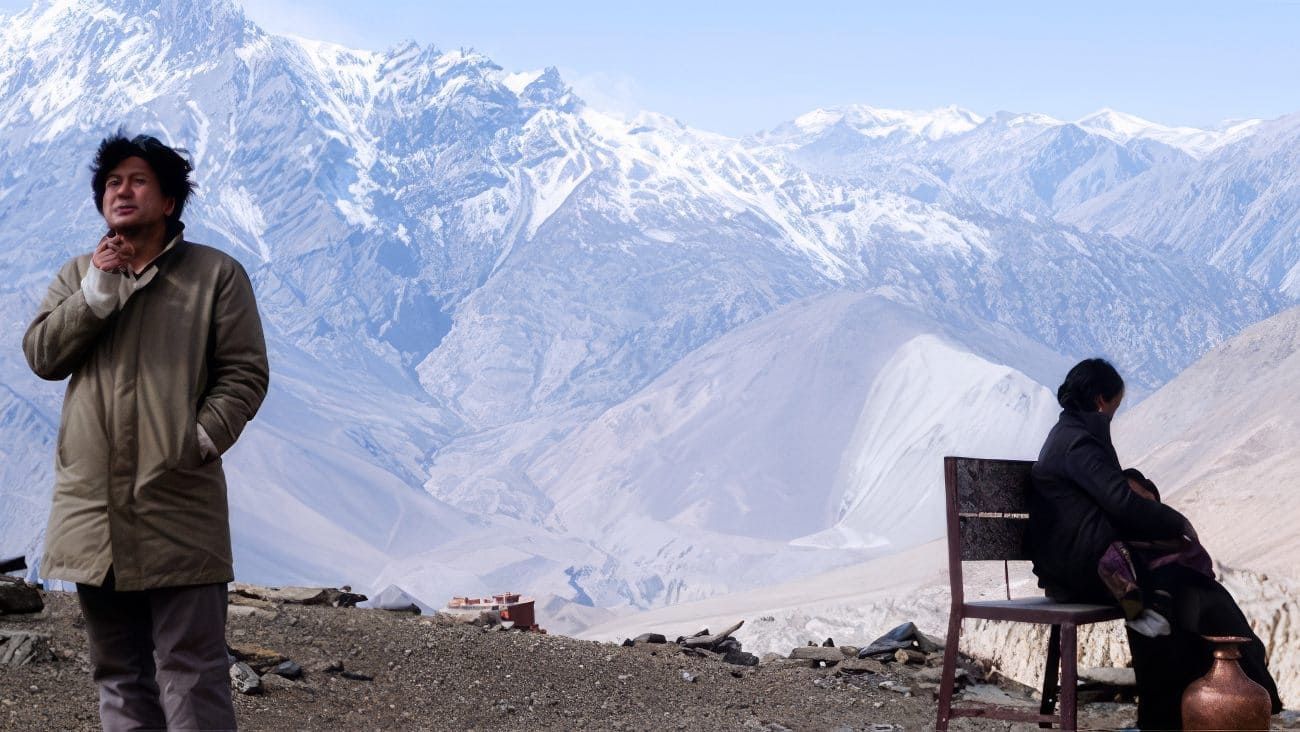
132 488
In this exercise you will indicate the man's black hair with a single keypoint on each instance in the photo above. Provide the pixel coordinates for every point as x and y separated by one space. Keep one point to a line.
1089 379
171 168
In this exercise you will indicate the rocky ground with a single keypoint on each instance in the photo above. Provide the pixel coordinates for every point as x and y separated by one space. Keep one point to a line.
380 670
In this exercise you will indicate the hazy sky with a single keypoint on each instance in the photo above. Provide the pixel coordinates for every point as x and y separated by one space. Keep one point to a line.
738 67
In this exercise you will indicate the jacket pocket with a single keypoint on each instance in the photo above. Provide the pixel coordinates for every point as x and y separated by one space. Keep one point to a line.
190 455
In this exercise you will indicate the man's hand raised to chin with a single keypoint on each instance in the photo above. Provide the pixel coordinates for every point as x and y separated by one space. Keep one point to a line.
112 254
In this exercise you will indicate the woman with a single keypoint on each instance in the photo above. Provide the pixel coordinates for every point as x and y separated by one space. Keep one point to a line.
1080 505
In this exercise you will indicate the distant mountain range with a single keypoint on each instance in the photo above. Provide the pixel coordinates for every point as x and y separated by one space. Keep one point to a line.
517 341
1220 441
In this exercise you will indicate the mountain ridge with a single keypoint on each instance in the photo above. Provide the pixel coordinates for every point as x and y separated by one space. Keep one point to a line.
462 271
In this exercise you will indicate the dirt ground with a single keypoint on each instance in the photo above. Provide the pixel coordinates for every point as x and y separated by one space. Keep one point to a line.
433 674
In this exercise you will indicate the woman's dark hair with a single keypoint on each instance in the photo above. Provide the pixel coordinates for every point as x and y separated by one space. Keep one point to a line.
1089 379
172 169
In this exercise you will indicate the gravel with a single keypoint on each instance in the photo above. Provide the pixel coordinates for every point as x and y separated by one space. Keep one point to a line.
377 670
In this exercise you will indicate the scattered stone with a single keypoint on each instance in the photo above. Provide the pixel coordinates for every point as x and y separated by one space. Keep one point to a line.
272 682
688 677
291 595
16 596
849 651
329 667
298 595
935 676
738 657
238 600
990 694
245 679
246 611
861 666
784 662
650 638
259 659
19 648
906 656
345 598
896 687
817 653
354 676
288 669
1109 676
704 639
828 643
461 618
1107 685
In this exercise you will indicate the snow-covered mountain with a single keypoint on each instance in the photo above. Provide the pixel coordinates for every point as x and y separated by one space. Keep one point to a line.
1237 208
1012 163
1198 143
663 363
1220 439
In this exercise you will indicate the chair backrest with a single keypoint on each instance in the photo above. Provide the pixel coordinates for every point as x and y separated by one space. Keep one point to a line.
988 511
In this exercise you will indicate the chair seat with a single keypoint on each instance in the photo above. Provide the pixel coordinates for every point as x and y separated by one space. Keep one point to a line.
1041 610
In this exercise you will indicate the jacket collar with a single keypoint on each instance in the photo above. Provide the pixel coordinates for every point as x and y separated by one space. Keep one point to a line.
1095 423
177 238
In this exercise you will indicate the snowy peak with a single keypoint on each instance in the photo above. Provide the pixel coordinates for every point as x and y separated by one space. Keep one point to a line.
1122 128
69 63
548 89
872 122
1121 125
1023 119
216 20
932 398
543 88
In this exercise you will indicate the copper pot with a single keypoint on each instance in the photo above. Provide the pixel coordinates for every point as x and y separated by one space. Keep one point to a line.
1225 698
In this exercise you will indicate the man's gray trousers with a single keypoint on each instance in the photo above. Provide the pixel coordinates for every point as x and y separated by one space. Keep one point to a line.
159 657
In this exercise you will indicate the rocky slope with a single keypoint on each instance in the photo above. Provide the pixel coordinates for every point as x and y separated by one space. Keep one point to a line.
372 669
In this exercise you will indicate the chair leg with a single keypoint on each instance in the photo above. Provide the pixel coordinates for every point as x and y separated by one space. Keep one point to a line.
1069 677
947 681
1051 673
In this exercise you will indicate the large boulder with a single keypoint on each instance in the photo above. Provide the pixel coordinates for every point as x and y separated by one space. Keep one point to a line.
16 596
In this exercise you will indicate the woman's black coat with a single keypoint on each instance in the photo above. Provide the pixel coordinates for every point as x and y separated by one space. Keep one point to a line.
1081 503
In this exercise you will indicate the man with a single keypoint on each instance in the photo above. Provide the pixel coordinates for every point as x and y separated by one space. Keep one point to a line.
163 346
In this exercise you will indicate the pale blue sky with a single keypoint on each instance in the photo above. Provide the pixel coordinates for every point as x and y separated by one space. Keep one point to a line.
737 67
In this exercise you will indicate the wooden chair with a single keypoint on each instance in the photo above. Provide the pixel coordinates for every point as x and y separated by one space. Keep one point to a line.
987 515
